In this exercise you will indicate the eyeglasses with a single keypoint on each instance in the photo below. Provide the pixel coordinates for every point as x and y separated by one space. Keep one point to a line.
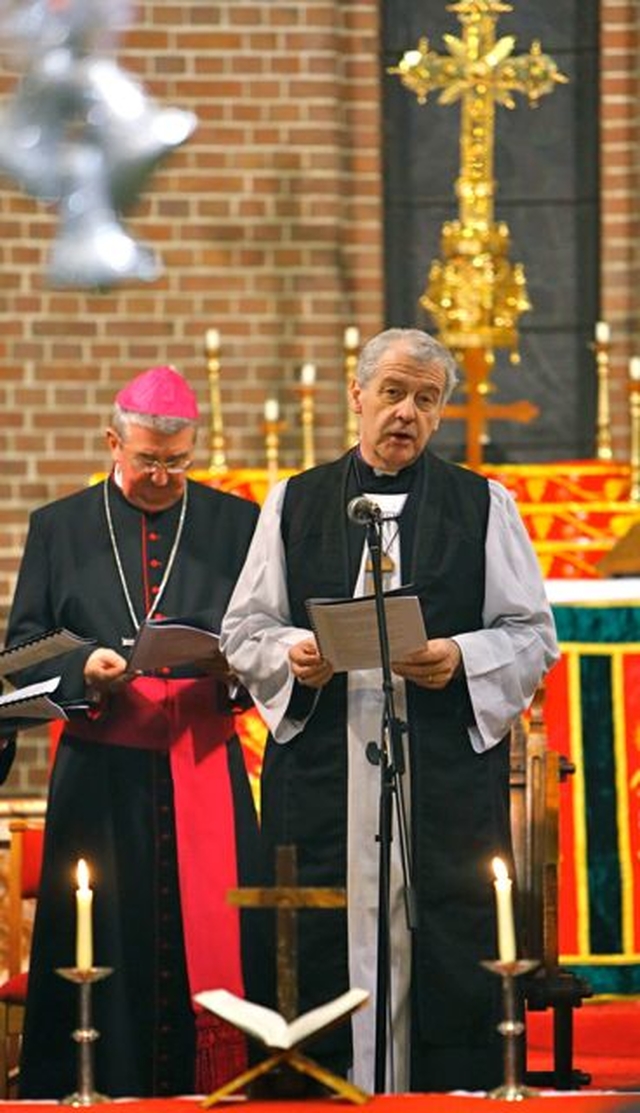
147 465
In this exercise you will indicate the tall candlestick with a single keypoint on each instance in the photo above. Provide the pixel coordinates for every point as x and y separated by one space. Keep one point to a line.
634 407
307 383
504 909
604 450
217 458
351 342
84 924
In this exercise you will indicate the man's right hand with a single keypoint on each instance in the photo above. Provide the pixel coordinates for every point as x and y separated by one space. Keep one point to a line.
308 666
104 669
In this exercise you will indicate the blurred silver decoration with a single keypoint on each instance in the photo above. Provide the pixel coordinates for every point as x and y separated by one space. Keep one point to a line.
81 132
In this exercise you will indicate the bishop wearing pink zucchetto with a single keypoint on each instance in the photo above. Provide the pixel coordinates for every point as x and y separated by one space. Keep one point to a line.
148 783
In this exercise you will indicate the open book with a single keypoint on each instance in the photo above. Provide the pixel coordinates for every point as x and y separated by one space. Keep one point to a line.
347 629
32 702
43 647
168 642
269 1027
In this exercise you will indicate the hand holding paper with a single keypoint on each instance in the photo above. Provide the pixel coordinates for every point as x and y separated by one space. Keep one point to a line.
308 665
432 666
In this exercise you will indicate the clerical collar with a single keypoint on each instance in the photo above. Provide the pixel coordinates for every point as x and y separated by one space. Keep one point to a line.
374 479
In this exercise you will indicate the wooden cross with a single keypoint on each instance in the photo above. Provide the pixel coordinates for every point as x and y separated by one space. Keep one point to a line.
281 1071
287 897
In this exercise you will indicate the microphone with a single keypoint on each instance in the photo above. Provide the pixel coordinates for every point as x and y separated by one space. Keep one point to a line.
363 511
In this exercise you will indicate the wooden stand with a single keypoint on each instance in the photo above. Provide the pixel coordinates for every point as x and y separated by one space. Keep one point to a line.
285 1069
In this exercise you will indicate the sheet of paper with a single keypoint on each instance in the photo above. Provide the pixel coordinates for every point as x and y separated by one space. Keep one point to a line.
32 702
347 629
169 644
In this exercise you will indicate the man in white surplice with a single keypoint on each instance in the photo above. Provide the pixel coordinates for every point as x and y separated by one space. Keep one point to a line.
459 540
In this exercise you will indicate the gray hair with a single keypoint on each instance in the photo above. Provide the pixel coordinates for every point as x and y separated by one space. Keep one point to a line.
422 347
122 419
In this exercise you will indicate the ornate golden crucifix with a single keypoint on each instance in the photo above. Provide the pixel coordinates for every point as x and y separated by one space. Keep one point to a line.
475 294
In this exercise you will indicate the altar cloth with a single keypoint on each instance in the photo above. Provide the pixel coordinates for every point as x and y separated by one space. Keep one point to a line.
549 1101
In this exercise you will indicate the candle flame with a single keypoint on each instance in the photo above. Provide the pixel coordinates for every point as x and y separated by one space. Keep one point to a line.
83 874
500 870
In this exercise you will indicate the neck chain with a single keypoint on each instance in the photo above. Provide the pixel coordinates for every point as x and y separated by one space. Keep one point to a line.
116 556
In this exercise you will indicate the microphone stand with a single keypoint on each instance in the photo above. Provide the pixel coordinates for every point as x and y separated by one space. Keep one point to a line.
390 756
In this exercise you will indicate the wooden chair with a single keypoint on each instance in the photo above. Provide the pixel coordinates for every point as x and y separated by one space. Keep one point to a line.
25 864
536 775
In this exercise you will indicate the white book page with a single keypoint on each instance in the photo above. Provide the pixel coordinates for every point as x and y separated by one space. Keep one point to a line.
347 630
166 644
269 1026
32 702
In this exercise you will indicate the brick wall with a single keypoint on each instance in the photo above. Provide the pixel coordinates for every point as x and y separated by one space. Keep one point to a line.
268 222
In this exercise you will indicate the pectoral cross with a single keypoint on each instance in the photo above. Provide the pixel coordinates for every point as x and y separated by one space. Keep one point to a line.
386 565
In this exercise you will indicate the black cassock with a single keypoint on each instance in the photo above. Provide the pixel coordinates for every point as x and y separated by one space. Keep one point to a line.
116 804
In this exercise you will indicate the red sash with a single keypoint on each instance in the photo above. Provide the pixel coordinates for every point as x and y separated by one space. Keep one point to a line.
182 717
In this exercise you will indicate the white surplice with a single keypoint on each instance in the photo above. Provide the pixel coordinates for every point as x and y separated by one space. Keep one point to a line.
503 663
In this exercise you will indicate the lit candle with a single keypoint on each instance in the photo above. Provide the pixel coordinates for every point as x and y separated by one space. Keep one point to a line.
84 926
504 907
308 374
213 340
271 410
634 369
603 332
351 337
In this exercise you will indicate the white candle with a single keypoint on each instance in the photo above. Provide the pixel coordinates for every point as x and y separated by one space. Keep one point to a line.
213 340
634 369
603 332
504 908
308 374
271 410
84 925
351 337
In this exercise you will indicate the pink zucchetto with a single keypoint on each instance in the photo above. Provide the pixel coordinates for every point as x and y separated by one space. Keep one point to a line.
161 392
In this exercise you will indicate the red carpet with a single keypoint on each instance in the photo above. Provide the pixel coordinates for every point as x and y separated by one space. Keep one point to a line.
606 1039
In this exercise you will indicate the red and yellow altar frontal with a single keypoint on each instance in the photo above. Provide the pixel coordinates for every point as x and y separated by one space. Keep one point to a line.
574 510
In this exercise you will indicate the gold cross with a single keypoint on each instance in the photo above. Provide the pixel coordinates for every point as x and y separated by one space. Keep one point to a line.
287 897
477 411
474 293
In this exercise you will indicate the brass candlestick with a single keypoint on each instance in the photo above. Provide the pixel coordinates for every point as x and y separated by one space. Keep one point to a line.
351 346
217 460
272 428
306 391
511 1028
85 1034
603 428
634 408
